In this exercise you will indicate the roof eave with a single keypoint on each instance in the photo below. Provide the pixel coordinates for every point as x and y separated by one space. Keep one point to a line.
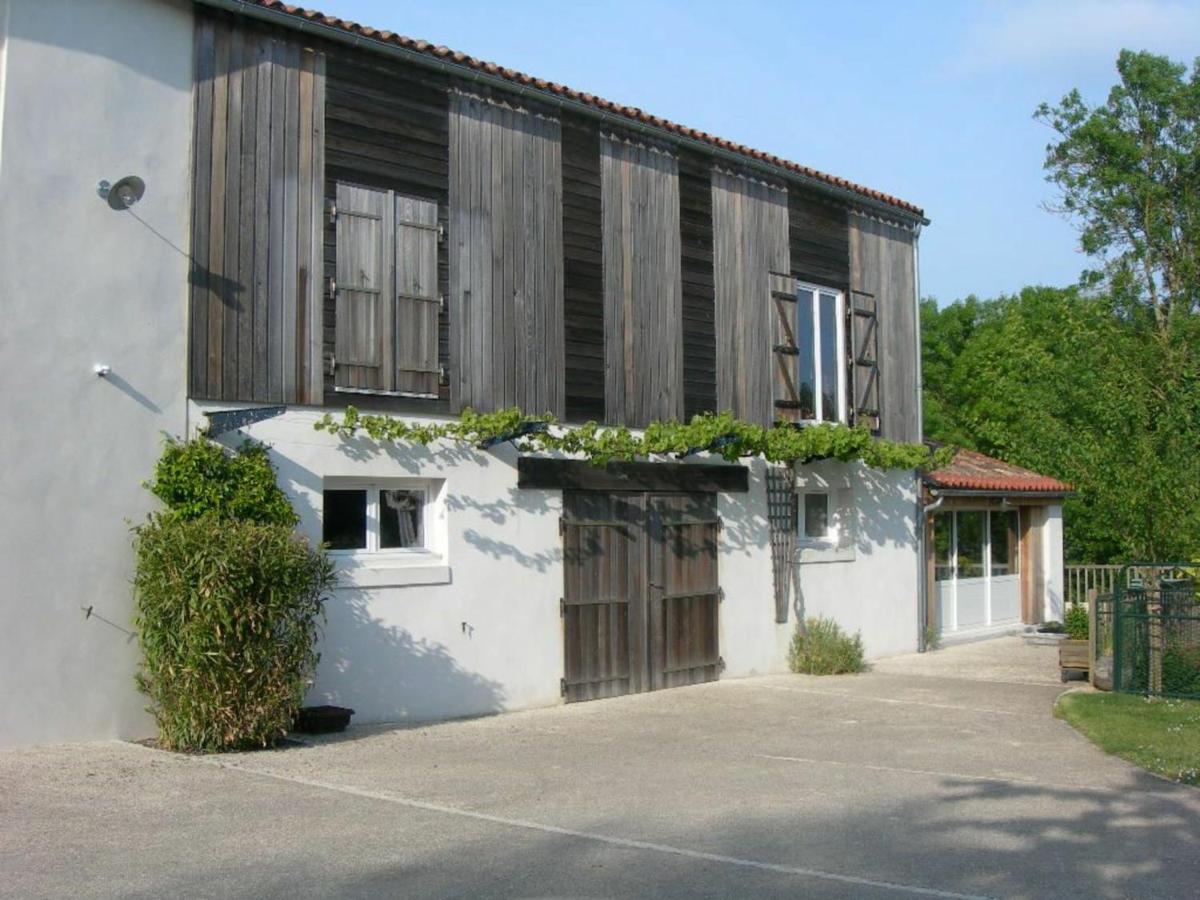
339 35
937 490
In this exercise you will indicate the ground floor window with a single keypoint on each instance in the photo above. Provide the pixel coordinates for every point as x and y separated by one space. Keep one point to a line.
370 517
976 565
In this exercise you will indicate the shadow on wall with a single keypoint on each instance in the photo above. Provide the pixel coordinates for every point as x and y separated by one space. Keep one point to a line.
386 675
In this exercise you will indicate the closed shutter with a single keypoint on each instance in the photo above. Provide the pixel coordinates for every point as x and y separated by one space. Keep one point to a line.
784 349
363 323
863 338
417 301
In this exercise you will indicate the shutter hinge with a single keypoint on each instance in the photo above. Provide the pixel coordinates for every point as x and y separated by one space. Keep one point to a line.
443 375
720 664
441 232
331 211
562 687
332 364
562 606
562 525
442 302
720 524
720 595
331 287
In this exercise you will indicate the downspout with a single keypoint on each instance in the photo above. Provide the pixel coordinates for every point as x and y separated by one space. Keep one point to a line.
923 509
923 566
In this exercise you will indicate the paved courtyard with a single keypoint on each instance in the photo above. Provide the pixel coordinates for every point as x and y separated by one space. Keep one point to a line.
942 776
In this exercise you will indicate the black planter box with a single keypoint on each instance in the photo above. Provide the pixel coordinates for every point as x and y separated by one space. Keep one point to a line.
322 719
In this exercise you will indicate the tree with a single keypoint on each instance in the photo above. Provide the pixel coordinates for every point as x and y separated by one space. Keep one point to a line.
1129 176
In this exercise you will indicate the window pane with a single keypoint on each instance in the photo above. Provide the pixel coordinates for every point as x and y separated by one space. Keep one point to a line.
806 362
970 544
344 521
1004 543
830 370
943 569
816 515
400 518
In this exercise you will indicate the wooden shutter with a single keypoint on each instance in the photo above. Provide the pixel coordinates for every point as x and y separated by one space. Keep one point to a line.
363 284
863 338
784 350
417 301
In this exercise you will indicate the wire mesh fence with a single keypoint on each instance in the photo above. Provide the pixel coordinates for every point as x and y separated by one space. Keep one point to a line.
1150 628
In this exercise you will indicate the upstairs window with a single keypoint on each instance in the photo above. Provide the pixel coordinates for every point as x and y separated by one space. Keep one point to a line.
820 356
810 352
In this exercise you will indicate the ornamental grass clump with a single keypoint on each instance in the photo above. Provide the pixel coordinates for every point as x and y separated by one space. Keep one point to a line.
228 601
822 648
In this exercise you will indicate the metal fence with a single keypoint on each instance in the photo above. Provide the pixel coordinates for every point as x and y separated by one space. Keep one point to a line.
1150 629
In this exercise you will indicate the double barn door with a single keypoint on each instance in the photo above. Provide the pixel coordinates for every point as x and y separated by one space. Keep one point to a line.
641 595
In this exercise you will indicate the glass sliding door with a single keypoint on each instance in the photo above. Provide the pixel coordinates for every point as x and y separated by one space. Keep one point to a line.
976 566
1004 585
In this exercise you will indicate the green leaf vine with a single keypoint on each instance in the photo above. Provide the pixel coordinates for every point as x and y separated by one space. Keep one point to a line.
718 433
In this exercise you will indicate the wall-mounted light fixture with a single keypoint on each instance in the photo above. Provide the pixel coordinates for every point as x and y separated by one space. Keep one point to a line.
124 193
102 370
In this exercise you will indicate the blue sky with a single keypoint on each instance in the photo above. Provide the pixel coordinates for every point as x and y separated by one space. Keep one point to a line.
930 101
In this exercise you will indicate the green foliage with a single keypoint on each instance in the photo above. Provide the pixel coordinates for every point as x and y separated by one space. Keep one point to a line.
1128 176
200 477
1065 384
821 648
602 444
932 638
226 617
1075 622
1181 670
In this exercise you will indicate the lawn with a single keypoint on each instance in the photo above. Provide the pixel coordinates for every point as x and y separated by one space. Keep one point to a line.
1162 736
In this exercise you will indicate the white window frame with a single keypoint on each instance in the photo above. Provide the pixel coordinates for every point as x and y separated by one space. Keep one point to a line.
840 323
373 487
831 524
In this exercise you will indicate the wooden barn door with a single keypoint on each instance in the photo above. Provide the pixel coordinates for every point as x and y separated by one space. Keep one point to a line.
684 590
640 597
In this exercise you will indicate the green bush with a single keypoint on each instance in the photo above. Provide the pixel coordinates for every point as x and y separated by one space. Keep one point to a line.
197 477
1181 670
1075 622
226 616
228 599
821 648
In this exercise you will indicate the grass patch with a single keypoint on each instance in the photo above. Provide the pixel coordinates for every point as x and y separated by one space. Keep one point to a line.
1160 735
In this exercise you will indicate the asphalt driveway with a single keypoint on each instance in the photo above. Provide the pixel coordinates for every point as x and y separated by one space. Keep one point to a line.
940 776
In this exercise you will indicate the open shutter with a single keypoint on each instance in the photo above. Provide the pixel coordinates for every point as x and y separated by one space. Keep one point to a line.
417 301
363 325
784 349
863 338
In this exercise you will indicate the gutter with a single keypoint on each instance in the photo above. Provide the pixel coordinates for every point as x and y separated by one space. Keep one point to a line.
1025 495
416 57
924 510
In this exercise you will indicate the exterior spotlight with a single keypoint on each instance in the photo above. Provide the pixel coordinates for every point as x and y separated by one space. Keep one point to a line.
124 193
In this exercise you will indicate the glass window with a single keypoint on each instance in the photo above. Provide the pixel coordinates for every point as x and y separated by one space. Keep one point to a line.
1005 558
830 370
344 521
400 518
943 563
816 515
806 362
970 543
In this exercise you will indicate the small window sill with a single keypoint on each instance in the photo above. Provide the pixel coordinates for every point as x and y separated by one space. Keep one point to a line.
374 570
822 551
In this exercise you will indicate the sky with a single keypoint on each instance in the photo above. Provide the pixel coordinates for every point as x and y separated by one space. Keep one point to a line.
929 101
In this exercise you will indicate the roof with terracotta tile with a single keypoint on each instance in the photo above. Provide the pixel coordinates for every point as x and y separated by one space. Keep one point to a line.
971 471
630 112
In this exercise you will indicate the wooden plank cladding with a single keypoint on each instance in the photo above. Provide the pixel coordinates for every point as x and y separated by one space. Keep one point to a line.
256 311
506 248
643 292
583 269
882 267
573 474
818 239
750 230
699 320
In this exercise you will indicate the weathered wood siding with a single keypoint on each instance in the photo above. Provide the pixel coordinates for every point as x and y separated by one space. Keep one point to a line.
255 321
506 272
387 129
818 239
696 246
750 237
882 268
643 292
583 269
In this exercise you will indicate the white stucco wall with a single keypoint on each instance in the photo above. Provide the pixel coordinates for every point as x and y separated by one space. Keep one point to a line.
875 591
91 91
1052 553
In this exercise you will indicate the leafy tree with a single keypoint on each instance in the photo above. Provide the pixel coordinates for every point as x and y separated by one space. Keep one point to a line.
1129 176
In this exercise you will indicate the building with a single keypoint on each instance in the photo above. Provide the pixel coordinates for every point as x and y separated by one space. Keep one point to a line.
327 215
